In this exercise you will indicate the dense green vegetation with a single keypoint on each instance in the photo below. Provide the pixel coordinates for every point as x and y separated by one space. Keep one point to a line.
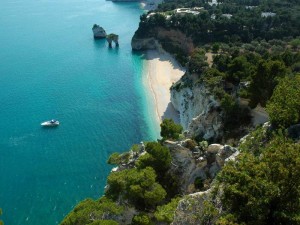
170 130
165 213
158 157
232 22
284 106
263 188
213 25
139 187
90 212
141 219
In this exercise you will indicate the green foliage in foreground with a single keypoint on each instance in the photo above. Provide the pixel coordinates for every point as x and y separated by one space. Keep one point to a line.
117 158
141 219
170 130
90 211
165 213
158 157
284 105
104 222
263 189
114 159
139 187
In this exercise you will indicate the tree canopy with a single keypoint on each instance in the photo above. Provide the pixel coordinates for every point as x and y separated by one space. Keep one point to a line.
158 157
137 186
89 210
263 189
170 130
264 81
284 105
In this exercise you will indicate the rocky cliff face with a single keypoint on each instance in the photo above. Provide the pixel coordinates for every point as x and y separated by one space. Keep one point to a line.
191 210
191 164
144 43
200 113
204 207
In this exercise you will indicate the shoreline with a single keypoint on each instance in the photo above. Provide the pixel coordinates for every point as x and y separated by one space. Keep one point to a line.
150 4
161 71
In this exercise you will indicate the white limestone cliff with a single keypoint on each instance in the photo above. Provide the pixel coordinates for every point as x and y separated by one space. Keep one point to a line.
190 164
200 113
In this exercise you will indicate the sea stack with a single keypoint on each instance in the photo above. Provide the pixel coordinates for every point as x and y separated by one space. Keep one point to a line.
112 38
98 31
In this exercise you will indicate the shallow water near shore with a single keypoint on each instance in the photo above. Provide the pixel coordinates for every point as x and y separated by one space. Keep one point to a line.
51 67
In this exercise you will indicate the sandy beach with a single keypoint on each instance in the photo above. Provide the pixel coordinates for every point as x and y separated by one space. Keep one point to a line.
162 71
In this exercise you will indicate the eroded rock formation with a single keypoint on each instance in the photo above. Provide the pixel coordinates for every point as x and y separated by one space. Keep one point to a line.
197 163
112 38
98 31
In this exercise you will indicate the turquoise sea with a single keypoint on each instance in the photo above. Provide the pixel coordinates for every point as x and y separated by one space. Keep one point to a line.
51 67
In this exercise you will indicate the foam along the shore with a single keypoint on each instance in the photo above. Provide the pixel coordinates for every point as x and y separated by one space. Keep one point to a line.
162 71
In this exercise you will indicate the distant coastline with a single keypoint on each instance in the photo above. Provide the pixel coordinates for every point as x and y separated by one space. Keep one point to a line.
145 4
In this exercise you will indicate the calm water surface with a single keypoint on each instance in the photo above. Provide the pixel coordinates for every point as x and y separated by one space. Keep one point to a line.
51 67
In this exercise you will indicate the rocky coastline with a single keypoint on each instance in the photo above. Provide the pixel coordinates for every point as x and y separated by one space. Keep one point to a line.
212 114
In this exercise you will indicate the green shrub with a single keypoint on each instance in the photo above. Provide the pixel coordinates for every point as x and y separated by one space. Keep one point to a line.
114 159
88 209
141 219
158 157
295 43
284 105
264 80
135 148
139 187
263 189
190 144
197 63
165 213
229 104
104 222
215 48
170 130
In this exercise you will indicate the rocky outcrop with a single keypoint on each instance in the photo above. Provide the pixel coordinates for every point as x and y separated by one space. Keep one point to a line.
192 209
112 38
122 219
204 207
200 113
198 163
144 43
98 31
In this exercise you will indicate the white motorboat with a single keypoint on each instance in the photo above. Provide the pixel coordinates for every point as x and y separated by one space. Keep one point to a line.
50 123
